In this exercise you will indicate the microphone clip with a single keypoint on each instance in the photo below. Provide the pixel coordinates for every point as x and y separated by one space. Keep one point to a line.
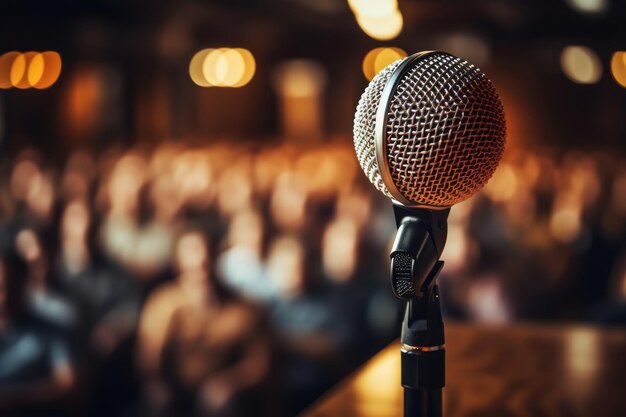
416 250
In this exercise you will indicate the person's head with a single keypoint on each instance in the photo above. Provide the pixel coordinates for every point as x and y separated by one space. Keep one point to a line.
191 252
340 249
246 229
285 266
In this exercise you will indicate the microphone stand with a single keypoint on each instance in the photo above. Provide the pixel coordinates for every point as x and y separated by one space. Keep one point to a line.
415 266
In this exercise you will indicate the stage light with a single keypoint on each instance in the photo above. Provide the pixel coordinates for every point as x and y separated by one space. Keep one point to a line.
382 28
618 67
581 65
379 58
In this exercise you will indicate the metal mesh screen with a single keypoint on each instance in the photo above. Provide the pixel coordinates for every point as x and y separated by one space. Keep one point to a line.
364 123
445 130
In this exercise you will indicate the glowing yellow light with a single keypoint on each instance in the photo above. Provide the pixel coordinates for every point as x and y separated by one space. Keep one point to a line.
581 65
223 67
51 63
379 58
6 64
618 67
211 66
195 68
381 27
18 70
373 8
231 67
249 67
386 57
36 70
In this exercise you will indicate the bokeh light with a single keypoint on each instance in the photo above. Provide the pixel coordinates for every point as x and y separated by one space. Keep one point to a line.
581 65
195 67
51 69
249 67
589 6
35 70
373 8
6 64
18 72
299 78
618 67
379 58
222 67
31 69
379 19
382 28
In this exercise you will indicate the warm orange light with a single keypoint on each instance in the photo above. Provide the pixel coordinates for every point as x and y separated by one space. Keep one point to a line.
379 58
373 8
196 68
18 72
249 67
35 70
6 64
618 67
51 69
210 66
30 69
223 67
230 67
381 27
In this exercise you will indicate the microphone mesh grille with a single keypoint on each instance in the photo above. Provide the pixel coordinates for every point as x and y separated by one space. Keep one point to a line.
445 131
364 124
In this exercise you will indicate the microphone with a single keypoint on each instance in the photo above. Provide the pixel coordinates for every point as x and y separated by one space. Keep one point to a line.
429 132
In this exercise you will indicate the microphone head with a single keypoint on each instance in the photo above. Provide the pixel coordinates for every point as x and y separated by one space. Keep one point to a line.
429 130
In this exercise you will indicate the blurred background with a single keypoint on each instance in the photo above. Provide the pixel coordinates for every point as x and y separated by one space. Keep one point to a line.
185 229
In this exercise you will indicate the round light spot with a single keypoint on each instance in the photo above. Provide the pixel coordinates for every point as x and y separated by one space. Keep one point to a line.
249 67
6 64
618 67
382 28
51 69
581 65
196 67
378 58
35 70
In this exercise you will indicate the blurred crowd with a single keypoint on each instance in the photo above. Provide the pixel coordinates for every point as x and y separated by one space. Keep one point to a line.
544 240
237 280
176 280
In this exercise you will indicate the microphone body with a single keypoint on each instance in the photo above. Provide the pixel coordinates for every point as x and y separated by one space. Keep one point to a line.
429 132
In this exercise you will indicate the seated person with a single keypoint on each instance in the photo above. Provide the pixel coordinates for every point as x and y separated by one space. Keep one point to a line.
36 369
198 349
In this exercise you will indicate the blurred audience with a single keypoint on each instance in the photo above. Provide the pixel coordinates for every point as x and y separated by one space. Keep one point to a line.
168 280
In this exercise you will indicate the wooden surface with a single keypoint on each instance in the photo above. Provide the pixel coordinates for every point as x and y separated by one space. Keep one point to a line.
520 370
